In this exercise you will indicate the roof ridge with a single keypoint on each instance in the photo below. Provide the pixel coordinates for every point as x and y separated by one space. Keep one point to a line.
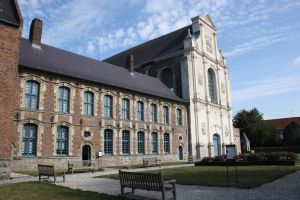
137 46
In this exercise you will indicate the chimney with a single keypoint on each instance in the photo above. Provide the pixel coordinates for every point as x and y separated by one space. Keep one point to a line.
35 34
129 63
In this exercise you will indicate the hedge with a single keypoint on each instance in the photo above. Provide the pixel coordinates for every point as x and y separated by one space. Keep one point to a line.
295 149
247 163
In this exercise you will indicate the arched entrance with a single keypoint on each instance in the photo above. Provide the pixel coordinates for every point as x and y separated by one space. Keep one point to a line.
217 145
180 152
86 155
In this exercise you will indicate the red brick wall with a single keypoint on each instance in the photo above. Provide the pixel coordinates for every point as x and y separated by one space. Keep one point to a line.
9 91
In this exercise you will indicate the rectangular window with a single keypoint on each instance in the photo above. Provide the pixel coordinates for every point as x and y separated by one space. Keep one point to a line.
179 116
166 143
29 140
125 142
141 143
89 103
32 95
108 142
140 111
62 140
154 143
108 107
64 99
125 109
166 114
153 113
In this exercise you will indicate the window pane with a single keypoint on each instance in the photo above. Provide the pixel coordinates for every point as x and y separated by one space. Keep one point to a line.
153 113
166 114
154 143
141 144
32 94
108 106
125 142
29 140
140 111
108 141
166 143
62 140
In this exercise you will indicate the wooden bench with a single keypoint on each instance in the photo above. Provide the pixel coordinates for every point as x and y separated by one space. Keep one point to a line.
148 161
48 170
146 181
80 165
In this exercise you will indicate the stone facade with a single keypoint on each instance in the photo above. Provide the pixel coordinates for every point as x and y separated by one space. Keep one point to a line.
189 69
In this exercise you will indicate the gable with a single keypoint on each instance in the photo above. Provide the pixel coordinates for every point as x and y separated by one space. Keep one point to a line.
207 19
9 13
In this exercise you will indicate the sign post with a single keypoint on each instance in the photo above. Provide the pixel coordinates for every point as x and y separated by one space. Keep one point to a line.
99 158
231 157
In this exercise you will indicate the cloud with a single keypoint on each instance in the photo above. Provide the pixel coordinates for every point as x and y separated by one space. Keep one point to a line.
274 85
297 61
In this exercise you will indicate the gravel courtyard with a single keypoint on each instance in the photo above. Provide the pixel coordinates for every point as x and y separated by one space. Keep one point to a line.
286 188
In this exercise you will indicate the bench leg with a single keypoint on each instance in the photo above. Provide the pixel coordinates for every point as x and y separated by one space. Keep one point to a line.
133 190
163 195
122 190
40 177
54 178
64 177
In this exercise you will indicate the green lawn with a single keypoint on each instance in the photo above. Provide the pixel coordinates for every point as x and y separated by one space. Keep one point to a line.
250 176
47 191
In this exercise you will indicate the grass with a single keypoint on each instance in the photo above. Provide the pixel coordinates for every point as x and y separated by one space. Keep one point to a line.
46 191
248 176
141 165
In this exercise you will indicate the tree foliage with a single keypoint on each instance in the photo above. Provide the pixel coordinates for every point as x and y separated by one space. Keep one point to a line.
292 135
259 132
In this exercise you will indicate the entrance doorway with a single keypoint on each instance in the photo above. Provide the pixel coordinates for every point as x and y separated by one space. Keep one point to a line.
180 152
217 145
86 155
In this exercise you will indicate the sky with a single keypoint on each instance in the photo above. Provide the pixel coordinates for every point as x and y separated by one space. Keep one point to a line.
260 39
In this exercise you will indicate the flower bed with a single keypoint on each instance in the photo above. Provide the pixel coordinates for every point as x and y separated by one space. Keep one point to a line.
262 158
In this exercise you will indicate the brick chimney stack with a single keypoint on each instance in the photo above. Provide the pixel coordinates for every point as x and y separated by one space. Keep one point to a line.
129 63
35 34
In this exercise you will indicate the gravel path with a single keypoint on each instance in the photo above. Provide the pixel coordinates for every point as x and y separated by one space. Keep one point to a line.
286 188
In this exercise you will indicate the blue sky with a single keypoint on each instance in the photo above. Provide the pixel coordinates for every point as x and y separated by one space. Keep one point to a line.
260 38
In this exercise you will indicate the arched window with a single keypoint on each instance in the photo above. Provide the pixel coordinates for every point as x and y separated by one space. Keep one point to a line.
212 86
29 139
140 111
108 107
88 103
166 143
154 143
141 142
153 112
62 140
179 116
217 144
166 114
32 95
108 141
125 142
166 76
125 109
64 99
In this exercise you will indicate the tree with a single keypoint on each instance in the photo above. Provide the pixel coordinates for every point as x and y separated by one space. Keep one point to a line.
292 135
259 132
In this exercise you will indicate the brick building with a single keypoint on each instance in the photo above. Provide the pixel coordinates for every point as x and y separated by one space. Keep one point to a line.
57 106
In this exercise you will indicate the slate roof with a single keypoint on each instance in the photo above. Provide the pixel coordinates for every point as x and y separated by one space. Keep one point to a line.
61 62
146 52
8 13
283 122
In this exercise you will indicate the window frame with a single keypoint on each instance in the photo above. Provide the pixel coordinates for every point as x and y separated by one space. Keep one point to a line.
154 143
28 141
179 120
62 101
166 119
108 142
108 106
140 111
30 96
125 109
62 140
153 112
125 142
88 103
141 143
166 143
